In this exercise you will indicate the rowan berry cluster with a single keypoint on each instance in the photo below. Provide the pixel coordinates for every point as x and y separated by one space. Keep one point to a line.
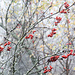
47 70
34 31
66 5
1 49
52 33
8 43
66 69
54 58
63 11
58 20
18 25
8 48
66 56
30 35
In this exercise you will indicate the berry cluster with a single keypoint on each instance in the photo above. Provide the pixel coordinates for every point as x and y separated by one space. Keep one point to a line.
8 43
18 25
1 49
58 20
8 48
34 31
66 6
47 70
54 58
66 69
63 11
30 35
66 56
52 33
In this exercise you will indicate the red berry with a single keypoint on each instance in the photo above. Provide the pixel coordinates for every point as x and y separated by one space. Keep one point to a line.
48 35
64 56
49 70
65 3
27 37
1 49
5 44
51 13
54 29
45 67
45 72
51 67
54 32
30 36
68 55
71 50
65 12
57 57
9 42
64 68
34 31
56 23
8 49
18 24
73 54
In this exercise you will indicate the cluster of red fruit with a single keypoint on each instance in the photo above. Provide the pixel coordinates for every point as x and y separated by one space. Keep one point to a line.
66 6
64 11
1 49
52 33
66 69
58 20
8 43
18 25
47 70
8 48
66 56
30 35
54 58
34 31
